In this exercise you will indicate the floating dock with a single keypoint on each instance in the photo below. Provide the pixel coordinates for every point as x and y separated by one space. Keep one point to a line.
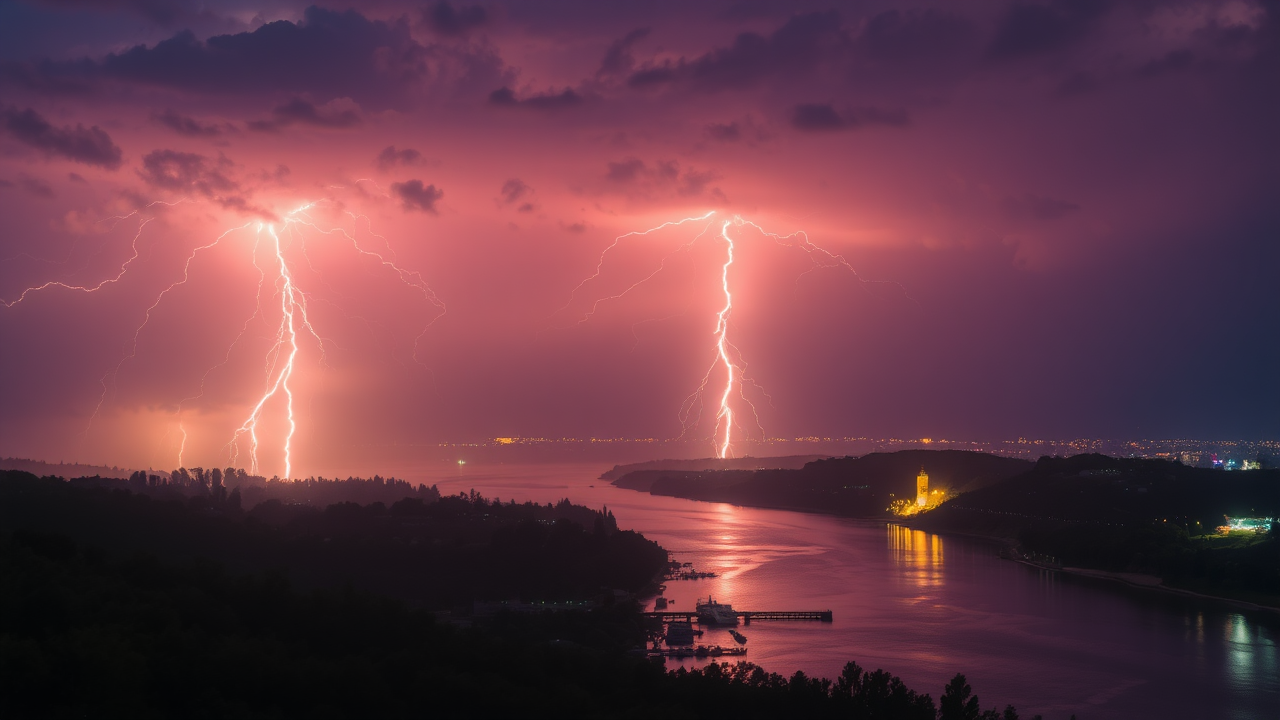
747 615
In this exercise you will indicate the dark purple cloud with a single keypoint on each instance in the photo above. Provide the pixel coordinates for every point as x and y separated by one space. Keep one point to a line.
185 125
1027 29
414 196
725 132
815 117
513 191
165 13
335 115
325 55
913 36
91 146
36 186
1175 61
505 97
391 157
802 43
618 59
625 171
444 19
183 172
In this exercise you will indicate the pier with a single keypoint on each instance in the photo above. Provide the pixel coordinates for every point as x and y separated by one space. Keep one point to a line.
747 615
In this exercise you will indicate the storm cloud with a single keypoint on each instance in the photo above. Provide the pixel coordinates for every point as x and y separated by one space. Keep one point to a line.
91 146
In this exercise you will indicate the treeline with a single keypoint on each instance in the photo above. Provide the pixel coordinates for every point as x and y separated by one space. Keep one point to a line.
246 490
1132 515
851 486
437 554
83 633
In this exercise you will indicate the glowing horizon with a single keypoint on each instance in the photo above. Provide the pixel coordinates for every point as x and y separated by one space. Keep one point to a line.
912 220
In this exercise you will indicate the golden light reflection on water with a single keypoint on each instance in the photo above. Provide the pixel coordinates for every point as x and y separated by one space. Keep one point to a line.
918 553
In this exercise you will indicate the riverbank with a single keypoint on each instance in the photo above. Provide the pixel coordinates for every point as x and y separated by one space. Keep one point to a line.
1140 581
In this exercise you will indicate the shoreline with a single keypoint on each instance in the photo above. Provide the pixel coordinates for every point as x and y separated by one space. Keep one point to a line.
1133 580
1138 581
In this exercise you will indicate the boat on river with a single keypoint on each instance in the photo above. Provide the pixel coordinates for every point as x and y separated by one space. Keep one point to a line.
711 612
742 639
660 603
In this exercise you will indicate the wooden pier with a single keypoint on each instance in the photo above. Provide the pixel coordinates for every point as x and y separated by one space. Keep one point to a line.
747 615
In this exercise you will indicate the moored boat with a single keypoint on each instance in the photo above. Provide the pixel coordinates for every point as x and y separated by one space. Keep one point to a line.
714 613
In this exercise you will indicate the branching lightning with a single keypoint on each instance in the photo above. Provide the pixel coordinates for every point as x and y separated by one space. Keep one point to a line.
727 357
281 359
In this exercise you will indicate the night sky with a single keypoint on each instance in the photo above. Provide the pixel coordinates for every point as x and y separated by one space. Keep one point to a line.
1039 219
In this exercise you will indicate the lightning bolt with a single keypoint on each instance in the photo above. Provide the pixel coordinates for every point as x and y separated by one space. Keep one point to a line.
722 341
600 264
727 357
292 305
124 267
281 359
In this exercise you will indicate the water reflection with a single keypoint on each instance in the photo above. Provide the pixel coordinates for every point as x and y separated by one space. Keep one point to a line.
1251 652
918 553
925 607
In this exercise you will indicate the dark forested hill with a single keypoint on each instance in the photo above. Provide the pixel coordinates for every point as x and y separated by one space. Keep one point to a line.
856 487
116 604
1132 515
786 462
432 554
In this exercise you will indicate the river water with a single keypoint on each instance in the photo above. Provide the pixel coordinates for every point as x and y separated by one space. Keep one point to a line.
925 607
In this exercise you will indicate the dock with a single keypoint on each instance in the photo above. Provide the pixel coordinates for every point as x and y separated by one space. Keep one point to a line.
746 615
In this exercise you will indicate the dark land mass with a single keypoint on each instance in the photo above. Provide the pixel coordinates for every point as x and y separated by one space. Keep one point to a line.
40 467
180 603
434 553
852 487
788 462
1150 517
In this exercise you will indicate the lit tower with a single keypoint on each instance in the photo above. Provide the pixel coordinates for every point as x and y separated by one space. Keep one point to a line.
922 488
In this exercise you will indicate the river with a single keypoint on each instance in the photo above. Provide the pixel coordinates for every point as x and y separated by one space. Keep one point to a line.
925 607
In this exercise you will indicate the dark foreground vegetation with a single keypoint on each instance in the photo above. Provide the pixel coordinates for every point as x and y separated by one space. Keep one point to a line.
853 487
1131 515
113 604
436 555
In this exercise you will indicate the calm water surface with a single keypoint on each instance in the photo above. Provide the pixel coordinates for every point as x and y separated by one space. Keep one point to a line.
925 607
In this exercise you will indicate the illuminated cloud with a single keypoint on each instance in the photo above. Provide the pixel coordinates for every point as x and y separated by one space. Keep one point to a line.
91 146
973 154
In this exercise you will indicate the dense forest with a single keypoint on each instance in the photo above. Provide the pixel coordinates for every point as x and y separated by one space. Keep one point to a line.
785 462
853 487
1132 515
117 604
253 489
